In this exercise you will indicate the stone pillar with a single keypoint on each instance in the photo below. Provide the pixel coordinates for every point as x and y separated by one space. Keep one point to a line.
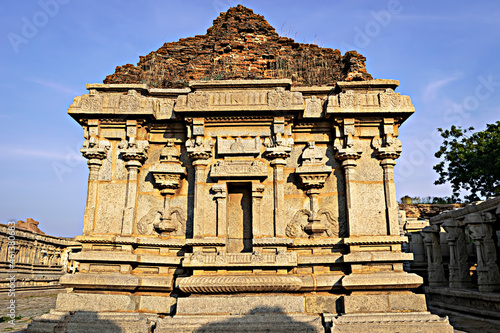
481 230
221 200
36 259
257 194
200 151
31 255
278 150
459 270
279 196
348 152
388 149
434 258
3 249
95 151
20 254
133 152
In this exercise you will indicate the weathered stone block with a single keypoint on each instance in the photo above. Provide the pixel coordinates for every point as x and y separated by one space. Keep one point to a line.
221 305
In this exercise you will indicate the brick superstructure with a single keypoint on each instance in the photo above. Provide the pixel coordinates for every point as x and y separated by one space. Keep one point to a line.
242 45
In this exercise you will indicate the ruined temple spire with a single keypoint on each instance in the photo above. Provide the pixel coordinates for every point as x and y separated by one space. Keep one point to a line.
242 45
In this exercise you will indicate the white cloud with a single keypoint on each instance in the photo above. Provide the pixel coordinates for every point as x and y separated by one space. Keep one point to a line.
432 89
54 86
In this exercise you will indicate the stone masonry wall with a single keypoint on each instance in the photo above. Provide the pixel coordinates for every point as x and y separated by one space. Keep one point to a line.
241 45
427 211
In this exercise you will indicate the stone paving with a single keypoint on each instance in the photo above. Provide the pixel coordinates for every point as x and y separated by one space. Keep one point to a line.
29 307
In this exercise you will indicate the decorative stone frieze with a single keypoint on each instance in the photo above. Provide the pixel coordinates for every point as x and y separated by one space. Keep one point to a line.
382 99
222 259
239 284
239 169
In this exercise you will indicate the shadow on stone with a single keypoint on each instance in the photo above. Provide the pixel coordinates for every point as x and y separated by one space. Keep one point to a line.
89 322
259 319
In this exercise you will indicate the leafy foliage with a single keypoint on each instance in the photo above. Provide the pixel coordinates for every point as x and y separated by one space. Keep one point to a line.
471 161
428 200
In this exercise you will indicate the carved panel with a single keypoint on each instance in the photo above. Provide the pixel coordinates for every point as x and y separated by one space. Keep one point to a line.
281 259
314 107
239 169
198 100
238 146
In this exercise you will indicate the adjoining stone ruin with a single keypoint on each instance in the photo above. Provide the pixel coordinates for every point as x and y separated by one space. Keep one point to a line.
242 45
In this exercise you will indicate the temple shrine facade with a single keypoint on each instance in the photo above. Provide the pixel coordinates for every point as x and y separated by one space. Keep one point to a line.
262 200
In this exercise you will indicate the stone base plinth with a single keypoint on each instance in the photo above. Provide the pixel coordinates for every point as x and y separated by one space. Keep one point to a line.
416 322
259 322
390 303
89 322
466 301
78 313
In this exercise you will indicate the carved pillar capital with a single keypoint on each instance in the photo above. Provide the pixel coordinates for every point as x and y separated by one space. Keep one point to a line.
387 149
347 150
133 152
199 148
95 151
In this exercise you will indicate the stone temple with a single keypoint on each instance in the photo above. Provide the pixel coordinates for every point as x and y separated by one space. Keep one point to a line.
241 182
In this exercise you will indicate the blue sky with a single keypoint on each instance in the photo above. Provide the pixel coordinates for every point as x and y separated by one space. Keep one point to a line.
444 53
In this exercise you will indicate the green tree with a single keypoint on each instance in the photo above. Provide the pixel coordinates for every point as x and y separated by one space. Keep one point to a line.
471 161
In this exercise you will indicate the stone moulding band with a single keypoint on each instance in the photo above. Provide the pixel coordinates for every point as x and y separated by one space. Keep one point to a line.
362 240
305 242
272 241
240 260
238 284
148 241
206 242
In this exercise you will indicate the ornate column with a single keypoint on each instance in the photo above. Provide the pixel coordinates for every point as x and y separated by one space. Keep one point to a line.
167 175
199 149
481 231
458 267
434 258
95 151
348 152
257 194
221 200
133 152
3 249
313 173
387 150
278 150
